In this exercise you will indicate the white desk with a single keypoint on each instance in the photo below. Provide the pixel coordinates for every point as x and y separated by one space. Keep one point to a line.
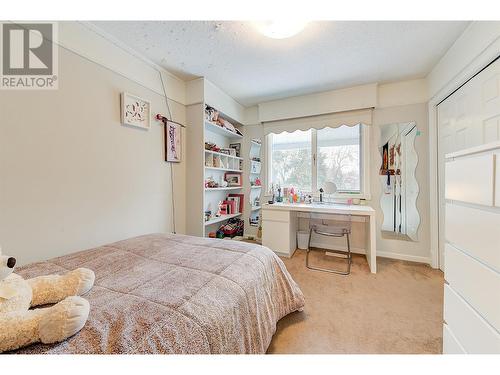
279 226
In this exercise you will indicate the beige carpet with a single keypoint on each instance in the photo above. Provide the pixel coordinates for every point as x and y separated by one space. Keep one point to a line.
397 310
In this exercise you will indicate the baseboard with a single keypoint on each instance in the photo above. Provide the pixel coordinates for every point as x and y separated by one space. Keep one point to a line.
411 258
382 254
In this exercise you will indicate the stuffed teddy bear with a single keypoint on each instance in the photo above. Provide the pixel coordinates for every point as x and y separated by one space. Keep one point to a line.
20 326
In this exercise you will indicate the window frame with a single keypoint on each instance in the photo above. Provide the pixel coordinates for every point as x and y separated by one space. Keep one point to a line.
364 192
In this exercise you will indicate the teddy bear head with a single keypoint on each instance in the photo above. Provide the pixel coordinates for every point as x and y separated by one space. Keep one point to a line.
7 264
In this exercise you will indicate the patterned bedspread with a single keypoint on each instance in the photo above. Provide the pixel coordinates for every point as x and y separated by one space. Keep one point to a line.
166 293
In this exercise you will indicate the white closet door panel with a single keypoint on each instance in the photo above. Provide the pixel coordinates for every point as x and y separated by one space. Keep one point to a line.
491 130
470 179
478 284
490 95
475 231
471 331
450 342
497 182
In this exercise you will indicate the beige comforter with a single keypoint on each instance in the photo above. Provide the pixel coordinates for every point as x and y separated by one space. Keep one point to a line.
164 293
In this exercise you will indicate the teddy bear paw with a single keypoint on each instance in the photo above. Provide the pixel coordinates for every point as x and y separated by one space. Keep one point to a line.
64 319
86 280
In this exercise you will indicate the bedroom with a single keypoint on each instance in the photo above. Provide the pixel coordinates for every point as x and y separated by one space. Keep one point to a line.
227 187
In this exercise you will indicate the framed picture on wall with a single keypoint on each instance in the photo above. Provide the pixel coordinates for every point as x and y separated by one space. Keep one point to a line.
172 142
135 111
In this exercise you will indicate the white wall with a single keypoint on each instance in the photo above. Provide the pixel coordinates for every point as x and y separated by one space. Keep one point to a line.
479 44
87 40
402 93
71 176
346 99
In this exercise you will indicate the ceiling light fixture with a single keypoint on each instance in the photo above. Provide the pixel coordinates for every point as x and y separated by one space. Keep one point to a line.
280 29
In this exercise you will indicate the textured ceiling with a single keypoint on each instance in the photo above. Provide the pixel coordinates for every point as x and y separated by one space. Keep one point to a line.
326 55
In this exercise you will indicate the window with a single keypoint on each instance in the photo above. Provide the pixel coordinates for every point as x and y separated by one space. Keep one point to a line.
291 159
307 159
339 157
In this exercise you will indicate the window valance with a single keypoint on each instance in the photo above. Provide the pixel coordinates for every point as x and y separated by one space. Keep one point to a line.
332 120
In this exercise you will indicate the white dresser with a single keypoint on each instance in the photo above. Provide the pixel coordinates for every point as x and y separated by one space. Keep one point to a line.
472 251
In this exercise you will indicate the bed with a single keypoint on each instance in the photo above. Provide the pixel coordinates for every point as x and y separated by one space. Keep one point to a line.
167 293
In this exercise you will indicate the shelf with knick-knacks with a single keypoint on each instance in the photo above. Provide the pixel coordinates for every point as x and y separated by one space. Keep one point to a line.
223 170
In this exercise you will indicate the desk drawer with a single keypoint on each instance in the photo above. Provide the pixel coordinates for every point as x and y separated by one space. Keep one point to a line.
275 215
477 284
473 333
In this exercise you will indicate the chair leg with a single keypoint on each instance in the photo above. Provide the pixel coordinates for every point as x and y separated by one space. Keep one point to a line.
308 248
348 257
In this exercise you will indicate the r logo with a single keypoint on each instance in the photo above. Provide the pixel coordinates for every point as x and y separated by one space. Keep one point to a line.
27 49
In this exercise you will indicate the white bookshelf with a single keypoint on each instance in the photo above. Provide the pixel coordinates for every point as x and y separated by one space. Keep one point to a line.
223 155
215 165
224 169
211 127
224 188
221 219
203 164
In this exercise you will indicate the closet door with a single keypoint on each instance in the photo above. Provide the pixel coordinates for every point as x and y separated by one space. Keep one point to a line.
469 187
469 118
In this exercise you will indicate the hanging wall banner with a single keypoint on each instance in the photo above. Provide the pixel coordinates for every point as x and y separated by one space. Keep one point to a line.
172 142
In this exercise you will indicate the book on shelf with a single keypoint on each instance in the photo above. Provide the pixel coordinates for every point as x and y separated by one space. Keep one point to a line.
239 198
231 206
